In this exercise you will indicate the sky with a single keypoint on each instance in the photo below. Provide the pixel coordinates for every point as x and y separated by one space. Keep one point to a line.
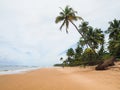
29 35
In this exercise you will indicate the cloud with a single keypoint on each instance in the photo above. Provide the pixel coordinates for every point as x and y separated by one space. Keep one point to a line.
29 36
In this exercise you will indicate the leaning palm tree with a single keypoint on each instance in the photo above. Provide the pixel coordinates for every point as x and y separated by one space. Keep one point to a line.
68 15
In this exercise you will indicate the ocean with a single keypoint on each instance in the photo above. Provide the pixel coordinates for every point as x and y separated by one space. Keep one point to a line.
10 69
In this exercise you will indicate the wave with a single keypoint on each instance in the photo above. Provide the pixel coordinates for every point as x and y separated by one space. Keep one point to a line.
16 69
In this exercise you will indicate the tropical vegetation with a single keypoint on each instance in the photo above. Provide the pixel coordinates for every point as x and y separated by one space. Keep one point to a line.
91 48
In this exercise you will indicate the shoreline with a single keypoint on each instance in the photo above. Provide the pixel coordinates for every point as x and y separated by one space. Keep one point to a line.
18 71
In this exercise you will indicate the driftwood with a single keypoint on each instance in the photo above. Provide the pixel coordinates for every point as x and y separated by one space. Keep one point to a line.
105 64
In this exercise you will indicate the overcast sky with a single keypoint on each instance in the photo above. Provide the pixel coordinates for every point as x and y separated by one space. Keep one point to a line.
29 35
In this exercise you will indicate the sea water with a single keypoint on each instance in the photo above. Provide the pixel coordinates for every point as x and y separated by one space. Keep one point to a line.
14 69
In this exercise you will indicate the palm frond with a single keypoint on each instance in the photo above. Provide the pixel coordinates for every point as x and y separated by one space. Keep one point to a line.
59 19
62 14
80 18
62 24
61 9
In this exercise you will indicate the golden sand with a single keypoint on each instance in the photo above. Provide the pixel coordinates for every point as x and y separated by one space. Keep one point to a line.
74 78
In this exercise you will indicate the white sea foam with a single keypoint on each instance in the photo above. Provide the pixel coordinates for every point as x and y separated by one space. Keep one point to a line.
15 70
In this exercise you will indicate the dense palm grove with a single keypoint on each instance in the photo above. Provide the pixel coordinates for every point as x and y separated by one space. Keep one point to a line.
90 48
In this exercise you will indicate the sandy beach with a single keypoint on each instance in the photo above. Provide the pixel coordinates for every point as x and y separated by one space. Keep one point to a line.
74 78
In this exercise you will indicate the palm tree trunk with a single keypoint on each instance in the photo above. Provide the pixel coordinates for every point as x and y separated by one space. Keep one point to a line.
104 64
83 37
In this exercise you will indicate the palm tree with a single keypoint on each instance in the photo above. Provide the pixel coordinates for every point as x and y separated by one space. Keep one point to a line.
61 58
114 37
68 15
114 44
78 52
98 38
93 37
114 29
70 53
